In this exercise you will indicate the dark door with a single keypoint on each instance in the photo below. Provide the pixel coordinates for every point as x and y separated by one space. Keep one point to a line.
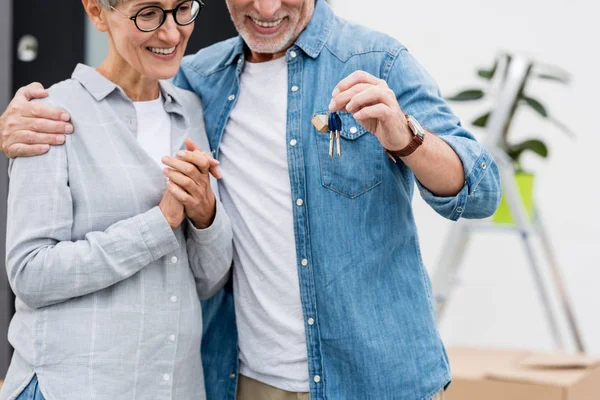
48 40
212 26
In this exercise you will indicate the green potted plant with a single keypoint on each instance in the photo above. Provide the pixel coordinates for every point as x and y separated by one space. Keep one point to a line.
495 77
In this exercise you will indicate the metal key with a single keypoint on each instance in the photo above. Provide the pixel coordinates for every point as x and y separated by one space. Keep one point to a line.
335 130
331 133
337 122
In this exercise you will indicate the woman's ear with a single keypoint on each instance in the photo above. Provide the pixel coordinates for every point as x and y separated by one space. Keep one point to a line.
96 13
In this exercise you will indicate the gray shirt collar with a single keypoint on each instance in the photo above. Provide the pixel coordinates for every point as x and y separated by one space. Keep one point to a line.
100 87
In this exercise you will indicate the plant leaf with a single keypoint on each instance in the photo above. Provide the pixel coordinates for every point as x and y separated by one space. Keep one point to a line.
536 105
562 127
534 145
468 95
488 73
481 121
549 77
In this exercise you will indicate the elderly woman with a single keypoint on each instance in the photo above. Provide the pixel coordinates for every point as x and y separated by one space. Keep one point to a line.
114 237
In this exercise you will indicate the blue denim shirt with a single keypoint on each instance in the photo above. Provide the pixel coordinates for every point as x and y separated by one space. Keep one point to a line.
374 334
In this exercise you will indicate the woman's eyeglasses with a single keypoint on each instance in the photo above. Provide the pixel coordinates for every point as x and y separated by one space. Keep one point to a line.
151 18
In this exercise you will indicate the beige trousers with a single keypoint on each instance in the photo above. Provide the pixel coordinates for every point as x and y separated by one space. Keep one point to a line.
250 389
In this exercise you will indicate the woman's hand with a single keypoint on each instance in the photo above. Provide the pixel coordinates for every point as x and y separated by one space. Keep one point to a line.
189 183
172 209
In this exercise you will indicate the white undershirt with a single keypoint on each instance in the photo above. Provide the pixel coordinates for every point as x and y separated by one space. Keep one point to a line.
154 128
256 193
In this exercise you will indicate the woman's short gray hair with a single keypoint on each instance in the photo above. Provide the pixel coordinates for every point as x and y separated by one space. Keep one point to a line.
109 3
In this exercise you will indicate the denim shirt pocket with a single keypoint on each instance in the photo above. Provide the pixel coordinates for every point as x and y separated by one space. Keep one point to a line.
360 166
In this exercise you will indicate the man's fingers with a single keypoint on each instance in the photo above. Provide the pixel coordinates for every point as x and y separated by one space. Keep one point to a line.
338 103
42 125
34 90
377 111
45 111
374 95
30 137
26 150
353 79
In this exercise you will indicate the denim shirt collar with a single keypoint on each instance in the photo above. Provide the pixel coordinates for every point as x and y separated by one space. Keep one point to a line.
100 87
311 40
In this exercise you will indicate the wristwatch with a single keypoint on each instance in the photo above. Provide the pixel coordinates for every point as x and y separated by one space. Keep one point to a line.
418 138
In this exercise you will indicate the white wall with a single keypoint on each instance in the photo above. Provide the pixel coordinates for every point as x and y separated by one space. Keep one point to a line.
495 302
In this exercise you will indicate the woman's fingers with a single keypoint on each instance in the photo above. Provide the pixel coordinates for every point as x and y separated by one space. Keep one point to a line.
178 192
183 181
203 161
184 167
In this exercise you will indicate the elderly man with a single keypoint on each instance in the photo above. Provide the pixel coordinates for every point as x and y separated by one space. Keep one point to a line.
329 296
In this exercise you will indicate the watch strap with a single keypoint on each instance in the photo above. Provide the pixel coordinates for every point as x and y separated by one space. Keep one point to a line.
418 138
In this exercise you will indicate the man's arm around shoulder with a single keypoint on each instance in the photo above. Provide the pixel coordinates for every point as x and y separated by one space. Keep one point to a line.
29 128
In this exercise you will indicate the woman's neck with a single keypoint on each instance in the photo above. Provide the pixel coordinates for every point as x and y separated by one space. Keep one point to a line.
136 86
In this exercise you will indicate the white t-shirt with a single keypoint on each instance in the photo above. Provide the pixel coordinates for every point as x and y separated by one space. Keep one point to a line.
256 193
154 128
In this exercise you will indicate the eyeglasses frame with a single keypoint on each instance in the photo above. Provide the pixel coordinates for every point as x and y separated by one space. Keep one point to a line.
165 14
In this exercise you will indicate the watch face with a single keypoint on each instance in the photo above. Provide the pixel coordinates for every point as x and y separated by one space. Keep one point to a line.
415 126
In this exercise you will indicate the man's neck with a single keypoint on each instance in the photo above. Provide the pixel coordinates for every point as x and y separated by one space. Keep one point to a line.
254 57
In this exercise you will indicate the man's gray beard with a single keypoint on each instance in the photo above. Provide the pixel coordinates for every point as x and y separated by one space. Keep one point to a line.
267 47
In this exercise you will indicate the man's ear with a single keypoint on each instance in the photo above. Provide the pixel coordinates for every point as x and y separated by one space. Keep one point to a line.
96 13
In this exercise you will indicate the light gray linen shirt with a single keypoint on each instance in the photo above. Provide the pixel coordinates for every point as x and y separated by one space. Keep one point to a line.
107 293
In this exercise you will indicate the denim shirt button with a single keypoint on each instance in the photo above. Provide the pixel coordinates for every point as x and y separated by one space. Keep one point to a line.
293 142
304 262
295 88
326 180
232 376
300 202
311 321
231 98
317 379
293 54
353 130
459 209
483 165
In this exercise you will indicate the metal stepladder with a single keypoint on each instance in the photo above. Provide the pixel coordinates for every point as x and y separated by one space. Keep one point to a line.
452 254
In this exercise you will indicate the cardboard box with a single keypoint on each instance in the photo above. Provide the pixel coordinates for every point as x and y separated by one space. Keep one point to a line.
485 374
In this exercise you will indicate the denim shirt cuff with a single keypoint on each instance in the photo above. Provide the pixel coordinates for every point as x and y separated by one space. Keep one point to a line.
475 160
449 207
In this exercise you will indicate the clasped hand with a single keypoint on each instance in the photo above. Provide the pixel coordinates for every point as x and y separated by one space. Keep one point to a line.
188 190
